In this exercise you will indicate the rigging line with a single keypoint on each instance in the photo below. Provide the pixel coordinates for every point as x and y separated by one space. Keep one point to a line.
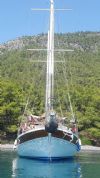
69 98
66 82
59 97
58 45
40 68
70 74
27 102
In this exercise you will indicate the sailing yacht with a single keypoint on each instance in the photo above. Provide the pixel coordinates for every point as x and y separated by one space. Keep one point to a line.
51 140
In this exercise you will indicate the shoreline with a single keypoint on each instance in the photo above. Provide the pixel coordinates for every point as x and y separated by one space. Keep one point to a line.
6 147
83 147
89 148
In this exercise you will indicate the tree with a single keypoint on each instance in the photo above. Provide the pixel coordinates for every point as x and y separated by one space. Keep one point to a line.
11 104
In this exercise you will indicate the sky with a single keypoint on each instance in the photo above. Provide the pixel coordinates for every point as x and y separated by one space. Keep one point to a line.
17 19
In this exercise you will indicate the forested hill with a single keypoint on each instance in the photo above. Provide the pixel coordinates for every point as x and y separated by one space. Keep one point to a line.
83 41
22 80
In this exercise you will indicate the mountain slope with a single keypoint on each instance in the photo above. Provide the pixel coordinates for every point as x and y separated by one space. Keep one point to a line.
22 75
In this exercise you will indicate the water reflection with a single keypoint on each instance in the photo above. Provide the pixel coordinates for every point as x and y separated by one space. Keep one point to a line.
25 168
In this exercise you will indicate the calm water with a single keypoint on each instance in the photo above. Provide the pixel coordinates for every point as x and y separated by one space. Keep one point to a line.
86 165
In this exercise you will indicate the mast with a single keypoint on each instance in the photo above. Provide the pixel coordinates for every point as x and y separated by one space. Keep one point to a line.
50 62
52 48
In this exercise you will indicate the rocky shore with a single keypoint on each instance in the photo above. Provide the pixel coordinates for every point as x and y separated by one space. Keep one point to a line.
83 148
6 146
89 148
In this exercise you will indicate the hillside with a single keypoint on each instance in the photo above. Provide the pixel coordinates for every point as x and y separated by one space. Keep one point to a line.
22 80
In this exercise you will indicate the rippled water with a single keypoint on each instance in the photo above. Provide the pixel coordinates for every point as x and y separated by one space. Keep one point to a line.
86 165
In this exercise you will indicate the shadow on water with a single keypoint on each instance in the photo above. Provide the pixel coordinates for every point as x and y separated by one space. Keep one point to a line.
27 168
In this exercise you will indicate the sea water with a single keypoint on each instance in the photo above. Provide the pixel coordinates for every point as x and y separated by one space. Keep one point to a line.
85 165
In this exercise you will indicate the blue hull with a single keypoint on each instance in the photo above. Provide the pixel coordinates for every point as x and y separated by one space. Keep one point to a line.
47 148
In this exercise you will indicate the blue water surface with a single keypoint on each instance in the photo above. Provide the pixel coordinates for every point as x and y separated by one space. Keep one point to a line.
85 165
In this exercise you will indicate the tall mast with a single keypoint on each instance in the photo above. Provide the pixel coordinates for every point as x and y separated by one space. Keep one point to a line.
52 48
50 61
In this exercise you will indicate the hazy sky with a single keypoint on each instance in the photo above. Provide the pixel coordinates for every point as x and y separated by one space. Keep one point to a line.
17 19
